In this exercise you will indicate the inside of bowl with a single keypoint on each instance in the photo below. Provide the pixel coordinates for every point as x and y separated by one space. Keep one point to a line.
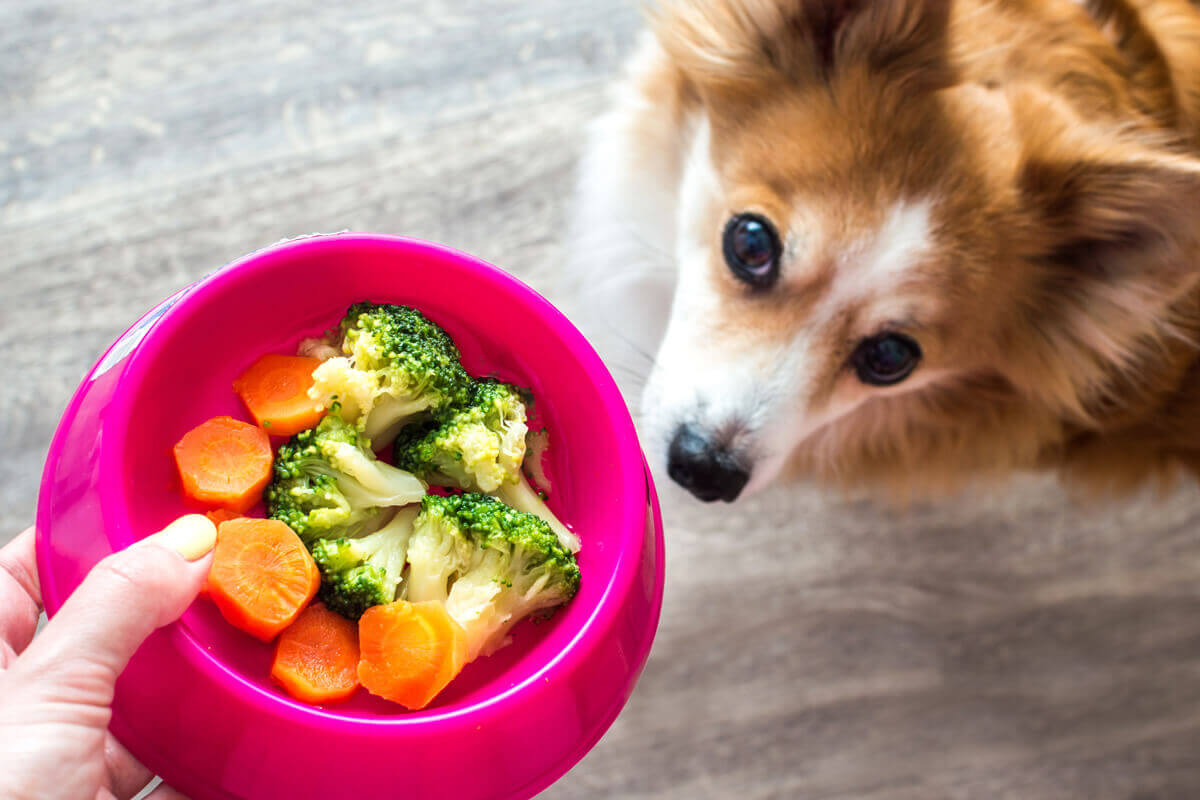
183 372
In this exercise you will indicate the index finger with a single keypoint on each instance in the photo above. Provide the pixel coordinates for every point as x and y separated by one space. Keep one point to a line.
20 592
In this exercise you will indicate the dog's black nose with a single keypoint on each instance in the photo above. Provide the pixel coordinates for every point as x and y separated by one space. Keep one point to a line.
706 470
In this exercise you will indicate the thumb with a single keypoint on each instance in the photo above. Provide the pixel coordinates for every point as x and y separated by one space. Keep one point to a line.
124 599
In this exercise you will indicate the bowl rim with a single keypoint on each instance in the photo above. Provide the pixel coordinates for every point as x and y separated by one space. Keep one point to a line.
173 313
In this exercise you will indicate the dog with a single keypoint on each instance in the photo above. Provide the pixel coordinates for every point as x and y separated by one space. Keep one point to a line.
903 244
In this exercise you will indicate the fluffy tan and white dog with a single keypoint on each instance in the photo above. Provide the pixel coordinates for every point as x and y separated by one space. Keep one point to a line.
910 242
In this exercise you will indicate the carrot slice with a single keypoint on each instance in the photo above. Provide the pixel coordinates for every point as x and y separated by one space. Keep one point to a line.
224 462
262 576
220 515
316 658
275 391
409 651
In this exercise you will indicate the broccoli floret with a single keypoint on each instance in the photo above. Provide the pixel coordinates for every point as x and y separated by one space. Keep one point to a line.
504 564
436 552
327 483
351 591
480 447
359 573
395 365
524 497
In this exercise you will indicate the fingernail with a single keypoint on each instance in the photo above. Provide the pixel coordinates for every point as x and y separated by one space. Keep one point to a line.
191 536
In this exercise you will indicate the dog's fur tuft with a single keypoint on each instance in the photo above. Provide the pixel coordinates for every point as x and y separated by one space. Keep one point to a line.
734 50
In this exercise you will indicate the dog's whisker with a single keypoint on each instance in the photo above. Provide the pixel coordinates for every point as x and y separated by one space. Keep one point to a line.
662 263
612 278
668 258
632 382
633 346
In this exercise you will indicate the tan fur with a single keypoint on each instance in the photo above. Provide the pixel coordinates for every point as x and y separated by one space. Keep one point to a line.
1058 143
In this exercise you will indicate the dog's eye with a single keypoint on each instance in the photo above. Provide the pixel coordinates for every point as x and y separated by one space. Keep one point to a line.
752 249
886 359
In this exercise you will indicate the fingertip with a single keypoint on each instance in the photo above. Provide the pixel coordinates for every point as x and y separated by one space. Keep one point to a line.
191 536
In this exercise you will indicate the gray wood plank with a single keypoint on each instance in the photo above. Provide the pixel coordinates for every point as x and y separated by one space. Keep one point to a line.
1006 645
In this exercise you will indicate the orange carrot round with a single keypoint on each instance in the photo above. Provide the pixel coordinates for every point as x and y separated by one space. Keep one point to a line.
224 462
316 657
409 651
262 576
275 391
219 515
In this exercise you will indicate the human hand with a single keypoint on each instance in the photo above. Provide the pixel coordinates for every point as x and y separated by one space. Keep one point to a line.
56 689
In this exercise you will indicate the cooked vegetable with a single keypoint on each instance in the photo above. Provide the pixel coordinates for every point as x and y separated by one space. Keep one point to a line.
437 551
262 576
505 565
359 573
224 462
409 651
480 446
534 464
524 497
275 391
316 657
327 483
221 515
411 586
396 365
320 347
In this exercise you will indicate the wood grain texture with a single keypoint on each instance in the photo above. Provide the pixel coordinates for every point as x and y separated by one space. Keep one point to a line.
1010 645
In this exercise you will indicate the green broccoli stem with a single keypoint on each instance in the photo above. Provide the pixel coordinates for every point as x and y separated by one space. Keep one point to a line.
364 480
534 463
523 497
388 547
390 415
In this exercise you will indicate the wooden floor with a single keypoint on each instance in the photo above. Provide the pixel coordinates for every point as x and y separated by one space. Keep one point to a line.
1006 646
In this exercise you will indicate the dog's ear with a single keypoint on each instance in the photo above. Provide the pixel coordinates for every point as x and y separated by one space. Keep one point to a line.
1121 214
1108 224
739 48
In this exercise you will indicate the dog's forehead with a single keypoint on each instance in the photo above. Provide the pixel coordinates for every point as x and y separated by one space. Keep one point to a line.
864 143
864 269
875 250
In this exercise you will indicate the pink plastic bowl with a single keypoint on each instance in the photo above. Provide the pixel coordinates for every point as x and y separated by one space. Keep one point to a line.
196 704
